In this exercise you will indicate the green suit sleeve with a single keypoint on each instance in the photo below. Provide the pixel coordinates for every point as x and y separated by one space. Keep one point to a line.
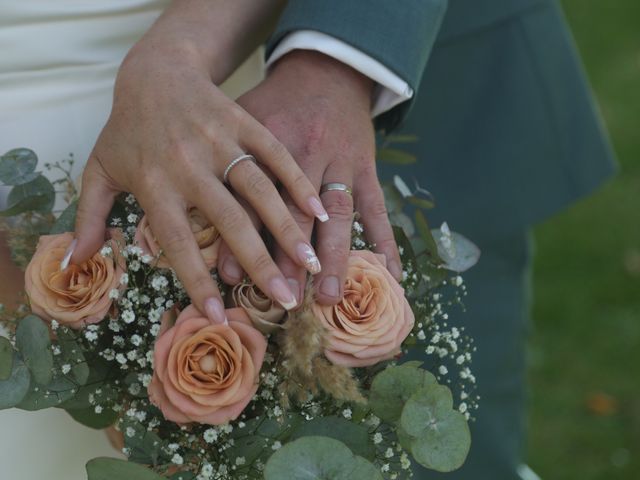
398 34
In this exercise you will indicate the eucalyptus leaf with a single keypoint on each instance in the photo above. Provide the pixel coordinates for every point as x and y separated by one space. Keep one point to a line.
406 249
426 235
402 220
6 358
421 202
38 195
401 186
392 387
401 138
89 418
251 448
67 220
145 447
354 436
71 353
269 427
14 388
183 476
395 156
39 397
104 468
456 251
32 340
392 199
440 437
318 458
18 166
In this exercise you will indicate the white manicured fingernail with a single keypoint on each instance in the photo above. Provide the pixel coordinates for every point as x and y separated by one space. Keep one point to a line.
67 255
318 209
308 256
281 293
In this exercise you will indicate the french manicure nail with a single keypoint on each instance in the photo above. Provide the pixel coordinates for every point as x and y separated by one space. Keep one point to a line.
282 293
294 285
330 286
215 310
308 256
67 255
318 209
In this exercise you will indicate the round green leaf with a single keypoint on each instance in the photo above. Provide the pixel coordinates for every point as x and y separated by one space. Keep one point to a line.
18 166
38 195
57 391
356 437
104 468
6 358
32 340
66 221
460 254
14 388
89 418
71 353
392 387
318 458
440 437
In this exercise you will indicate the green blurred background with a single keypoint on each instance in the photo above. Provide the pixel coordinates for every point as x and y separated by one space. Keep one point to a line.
585 350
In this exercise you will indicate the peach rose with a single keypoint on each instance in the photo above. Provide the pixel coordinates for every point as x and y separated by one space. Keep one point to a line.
206 372
207 237
264 313
372 319
79 294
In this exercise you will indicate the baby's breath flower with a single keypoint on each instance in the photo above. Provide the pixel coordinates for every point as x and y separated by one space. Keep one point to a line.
128 316
210 435
177 459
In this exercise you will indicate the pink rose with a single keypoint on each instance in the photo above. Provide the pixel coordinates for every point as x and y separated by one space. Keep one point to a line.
79 294
373 318
206 372
206 235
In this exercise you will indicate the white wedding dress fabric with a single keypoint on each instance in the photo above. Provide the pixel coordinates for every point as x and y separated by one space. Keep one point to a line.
58 62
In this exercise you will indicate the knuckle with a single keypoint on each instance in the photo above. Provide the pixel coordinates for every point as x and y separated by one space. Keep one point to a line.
200 280
288 228
340 206
377 208
177 241
257 184
262 262
230 219
387 244
277 152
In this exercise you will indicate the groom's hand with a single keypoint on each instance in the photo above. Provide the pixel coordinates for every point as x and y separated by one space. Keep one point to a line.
319 108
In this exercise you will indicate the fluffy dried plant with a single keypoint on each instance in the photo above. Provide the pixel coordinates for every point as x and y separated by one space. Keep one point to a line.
303 341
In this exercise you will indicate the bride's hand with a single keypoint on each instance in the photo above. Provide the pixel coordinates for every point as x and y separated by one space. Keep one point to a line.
319 109
170 136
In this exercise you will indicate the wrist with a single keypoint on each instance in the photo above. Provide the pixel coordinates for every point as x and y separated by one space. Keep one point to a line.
321 73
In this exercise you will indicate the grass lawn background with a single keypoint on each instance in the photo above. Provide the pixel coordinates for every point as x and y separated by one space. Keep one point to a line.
585 349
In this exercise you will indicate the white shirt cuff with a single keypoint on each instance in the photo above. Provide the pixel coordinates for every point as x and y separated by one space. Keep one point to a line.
390 89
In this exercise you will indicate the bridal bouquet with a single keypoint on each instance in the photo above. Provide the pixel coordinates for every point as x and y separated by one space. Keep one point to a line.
320 392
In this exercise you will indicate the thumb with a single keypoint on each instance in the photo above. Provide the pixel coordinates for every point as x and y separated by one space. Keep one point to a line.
96 200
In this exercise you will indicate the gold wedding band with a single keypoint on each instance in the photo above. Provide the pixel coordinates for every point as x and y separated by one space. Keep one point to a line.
335 186
235 162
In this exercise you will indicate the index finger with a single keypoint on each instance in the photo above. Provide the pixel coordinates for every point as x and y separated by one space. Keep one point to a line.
173 232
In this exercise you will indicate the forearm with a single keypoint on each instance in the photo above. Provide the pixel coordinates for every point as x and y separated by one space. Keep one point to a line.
215 34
